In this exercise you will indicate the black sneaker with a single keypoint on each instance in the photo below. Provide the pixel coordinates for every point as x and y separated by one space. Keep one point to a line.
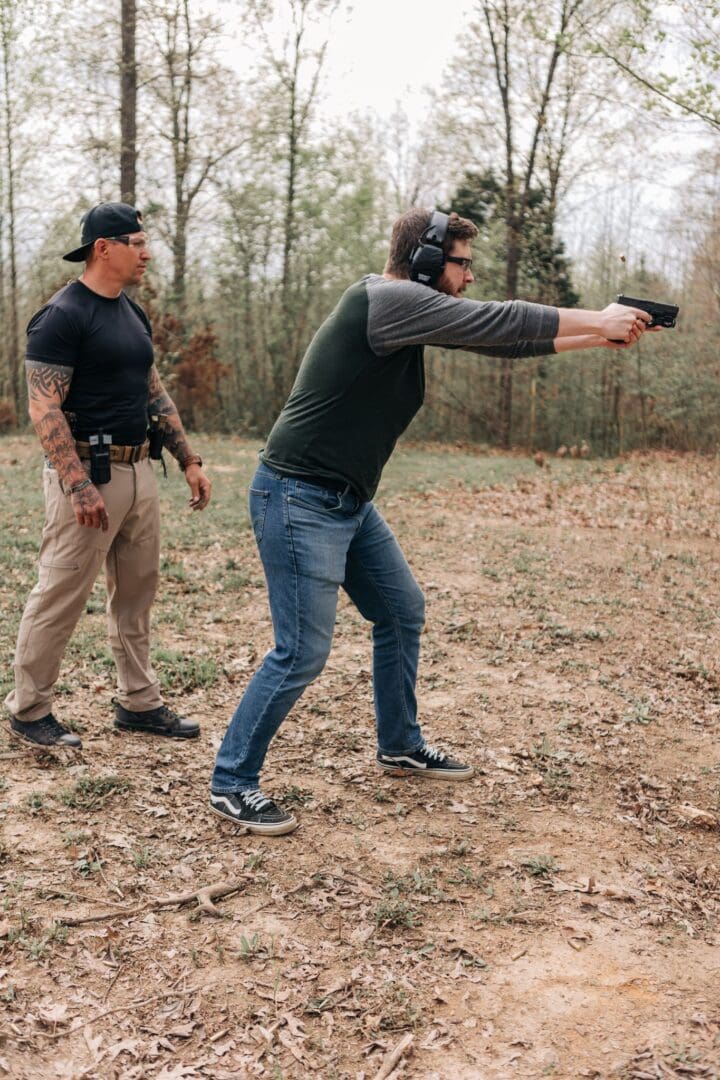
160 721
253 810
427 761
45 732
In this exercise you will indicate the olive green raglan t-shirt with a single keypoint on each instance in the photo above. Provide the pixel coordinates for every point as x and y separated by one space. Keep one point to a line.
362 378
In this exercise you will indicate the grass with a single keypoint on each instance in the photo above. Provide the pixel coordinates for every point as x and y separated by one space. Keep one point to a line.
90 792
222 527
397 913
541 866
181 673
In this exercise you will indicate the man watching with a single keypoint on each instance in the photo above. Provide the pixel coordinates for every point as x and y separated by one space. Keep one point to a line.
92 385
359 386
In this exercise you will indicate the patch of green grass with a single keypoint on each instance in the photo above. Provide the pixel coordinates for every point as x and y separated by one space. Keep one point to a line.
296 796
172 571
35 801
542 866
640 712
36 945
417 881
142 857
420 468
250 947
396 912
182 673
466 875
255 860
90 792
87 865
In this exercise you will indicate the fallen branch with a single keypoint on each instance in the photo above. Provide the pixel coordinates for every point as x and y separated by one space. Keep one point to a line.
204 897
118 1009
390 1060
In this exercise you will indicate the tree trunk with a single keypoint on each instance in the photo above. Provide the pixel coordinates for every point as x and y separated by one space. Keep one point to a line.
11 331
128 102
512 270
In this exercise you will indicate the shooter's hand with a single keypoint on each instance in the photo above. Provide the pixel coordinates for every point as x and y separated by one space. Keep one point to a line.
623 325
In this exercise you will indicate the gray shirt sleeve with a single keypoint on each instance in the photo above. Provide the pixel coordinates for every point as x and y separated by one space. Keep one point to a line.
404 313
518 351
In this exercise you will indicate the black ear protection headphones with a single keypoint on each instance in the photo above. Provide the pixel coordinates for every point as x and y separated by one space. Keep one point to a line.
427 261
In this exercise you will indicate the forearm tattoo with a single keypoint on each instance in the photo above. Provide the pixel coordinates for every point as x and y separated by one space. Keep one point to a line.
161 404
48 386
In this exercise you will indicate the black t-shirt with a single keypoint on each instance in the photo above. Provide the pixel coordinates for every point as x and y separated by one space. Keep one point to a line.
108 344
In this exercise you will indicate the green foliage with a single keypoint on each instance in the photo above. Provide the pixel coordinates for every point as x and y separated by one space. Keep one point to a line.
91 792
181 673
142 857
36 946
542 866
544 272
396 913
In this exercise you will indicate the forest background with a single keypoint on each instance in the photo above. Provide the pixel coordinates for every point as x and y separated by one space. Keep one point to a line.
582 136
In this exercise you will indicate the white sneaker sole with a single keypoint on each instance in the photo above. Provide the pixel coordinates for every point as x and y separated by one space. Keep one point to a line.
268 829
427 774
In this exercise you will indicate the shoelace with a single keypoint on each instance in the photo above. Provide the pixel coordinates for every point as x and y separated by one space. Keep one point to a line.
434 754
256 800
51 727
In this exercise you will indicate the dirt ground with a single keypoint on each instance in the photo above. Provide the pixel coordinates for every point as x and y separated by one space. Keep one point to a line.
556 915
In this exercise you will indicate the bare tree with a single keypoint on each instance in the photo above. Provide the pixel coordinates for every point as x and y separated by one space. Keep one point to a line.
8 33
194 110
531 93
128 101
297 66
294 60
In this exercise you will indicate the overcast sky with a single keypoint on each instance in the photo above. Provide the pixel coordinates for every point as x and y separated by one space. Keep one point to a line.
388 51
380 52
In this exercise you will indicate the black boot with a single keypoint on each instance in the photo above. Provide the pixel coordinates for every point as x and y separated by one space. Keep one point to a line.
45 732
159 721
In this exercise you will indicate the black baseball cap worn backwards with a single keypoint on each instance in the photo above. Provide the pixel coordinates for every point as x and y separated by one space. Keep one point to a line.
108 219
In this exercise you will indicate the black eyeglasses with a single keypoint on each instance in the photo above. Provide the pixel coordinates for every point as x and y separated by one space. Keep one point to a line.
465 263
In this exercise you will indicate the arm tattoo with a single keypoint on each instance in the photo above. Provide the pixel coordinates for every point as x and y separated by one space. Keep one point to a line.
161 404
48 386
47 382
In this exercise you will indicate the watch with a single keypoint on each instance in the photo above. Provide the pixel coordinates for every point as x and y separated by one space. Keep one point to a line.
194 459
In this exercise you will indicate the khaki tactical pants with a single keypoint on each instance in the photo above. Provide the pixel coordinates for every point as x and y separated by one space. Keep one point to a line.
70 558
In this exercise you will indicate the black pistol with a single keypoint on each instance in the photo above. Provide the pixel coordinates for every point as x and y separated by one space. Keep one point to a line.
662 314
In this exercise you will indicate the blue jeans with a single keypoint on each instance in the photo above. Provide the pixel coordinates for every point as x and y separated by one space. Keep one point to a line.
311 542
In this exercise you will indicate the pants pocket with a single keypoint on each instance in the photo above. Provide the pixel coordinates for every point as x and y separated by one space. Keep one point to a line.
257 503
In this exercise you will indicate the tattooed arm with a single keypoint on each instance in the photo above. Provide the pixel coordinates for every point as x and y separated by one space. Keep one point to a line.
174 438
48 386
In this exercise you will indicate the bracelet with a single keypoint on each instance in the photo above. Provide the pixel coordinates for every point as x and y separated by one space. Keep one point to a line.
79 487
194 459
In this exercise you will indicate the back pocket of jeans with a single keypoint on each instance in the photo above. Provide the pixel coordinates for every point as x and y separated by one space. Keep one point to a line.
257 502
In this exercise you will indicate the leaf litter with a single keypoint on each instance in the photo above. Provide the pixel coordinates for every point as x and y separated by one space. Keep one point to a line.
557 915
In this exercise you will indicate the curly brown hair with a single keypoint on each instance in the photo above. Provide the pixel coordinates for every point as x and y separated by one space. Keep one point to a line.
408 229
